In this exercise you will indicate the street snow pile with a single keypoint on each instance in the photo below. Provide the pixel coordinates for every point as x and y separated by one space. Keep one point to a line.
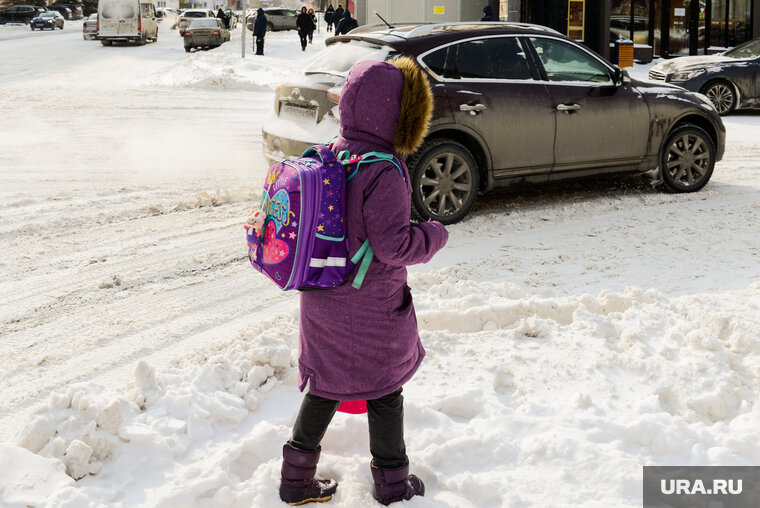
574 332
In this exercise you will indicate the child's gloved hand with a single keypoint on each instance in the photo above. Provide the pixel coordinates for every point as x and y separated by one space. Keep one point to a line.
255 221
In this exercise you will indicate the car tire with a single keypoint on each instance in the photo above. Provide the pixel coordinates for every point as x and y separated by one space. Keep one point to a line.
722 94
436 168
270 27
687 159
188 49
106 42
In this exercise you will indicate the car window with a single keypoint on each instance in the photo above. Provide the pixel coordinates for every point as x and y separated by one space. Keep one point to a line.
47 15
749 49
145 10
204 23
289 13
436 61
339 57
564 62
93 16
491 58
194 14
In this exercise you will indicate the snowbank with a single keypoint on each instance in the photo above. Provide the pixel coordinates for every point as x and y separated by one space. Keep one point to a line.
522 400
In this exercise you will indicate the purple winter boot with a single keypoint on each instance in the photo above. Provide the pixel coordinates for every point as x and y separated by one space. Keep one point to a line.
393 485
298 485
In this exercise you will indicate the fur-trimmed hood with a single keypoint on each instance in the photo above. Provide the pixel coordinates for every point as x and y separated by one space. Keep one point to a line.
386 103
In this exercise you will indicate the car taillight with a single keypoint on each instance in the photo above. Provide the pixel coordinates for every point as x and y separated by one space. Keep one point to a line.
187 34
182 19
139 24
85 25
215 32
97 25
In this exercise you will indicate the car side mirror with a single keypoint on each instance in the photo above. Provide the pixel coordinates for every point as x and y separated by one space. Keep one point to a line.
620 77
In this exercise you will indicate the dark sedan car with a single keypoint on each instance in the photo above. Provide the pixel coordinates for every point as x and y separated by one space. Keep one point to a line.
19 14
730 80
47 19
514 103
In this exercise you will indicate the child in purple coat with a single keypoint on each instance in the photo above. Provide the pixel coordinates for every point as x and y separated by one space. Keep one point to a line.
363 344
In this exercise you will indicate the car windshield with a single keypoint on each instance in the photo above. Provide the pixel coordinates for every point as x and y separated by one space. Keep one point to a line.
204 23
339 57
122 10
749 49
93 16
47 15
194 14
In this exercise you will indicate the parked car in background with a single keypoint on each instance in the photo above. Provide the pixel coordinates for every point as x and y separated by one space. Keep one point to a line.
514 104
76 10
277 19
126 21
731 80
191 14
19 14
47 19
65 11
90 27
206 33
168 16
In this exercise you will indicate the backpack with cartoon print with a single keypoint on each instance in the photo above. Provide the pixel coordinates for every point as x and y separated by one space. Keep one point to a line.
302 243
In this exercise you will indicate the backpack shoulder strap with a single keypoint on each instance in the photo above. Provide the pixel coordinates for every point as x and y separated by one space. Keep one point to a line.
321 152
367 158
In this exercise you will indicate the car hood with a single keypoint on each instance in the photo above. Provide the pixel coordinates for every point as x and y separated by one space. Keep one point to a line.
686 63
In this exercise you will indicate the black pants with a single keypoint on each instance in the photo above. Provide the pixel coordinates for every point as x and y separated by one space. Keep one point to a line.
304 38
386 427
259 45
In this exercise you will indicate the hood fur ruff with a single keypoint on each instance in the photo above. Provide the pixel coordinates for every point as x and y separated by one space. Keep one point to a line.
416 107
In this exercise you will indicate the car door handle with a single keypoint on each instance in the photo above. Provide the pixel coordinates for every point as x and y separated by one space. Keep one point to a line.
473 109
567 108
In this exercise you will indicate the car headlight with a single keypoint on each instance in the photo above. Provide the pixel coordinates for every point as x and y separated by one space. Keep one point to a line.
685 75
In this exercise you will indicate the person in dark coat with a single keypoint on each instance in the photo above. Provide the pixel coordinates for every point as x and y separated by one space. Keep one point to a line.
314 22
338 15
305 24
329 17
363 344
346 24
260 30
225 19
488 14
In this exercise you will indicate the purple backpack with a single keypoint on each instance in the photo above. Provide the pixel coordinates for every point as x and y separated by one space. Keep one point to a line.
303 241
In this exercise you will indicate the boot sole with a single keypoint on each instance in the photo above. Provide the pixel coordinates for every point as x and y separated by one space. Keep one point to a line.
312 500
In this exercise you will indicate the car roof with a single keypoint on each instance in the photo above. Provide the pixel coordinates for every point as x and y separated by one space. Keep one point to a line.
433 34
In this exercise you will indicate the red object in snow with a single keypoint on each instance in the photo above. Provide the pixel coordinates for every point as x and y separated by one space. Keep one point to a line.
353 407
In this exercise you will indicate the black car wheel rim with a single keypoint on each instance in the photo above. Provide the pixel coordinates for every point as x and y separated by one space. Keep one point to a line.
688 160
721 96
446 184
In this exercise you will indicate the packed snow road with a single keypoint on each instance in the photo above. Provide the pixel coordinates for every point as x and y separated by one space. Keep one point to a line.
583 330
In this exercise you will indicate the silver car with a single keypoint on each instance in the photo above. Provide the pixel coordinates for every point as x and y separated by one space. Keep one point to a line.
90 27
189 15
277 19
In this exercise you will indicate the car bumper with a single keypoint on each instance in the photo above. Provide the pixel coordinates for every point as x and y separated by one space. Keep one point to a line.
282 138
203 41
42 25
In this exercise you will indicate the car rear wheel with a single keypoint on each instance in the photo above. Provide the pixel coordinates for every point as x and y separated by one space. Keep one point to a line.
105 42
722 95
270 27
687 159
187 49
445 181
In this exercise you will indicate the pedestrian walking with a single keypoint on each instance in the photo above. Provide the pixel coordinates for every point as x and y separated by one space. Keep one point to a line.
260 30
338 15
329 13
314 23
346 24
488 14
363 344
225 19
304 23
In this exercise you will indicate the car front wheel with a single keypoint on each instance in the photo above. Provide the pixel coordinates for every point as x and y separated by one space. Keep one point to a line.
722 95
445 181
687 159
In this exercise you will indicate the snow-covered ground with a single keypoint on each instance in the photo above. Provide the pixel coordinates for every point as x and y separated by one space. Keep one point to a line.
575 332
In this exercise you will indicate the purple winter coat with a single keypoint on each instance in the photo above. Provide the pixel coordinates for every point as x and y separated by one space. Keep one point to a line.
363 344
